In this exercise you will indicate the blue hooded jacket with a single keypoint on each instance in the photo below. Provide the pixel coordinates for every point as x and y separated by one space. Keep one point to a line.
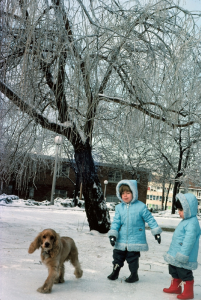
128 225
183 251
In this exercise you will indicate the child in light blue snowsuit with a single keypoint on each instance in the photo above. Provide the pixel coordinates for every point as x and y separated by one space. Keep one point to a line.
183 252
127 233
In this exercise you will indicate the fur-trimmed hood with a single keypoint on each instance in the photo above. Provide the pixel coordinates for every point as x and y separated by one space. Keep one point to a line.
189 203
183 251
128 224
132 185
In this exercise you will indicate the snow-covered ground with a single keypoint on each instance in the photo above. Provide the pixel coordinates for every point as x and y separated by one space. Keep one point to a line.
22 273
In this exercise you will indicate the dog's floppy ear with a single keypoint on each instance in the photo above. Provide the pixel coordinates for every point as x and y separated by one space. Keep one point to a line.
35 244
56 246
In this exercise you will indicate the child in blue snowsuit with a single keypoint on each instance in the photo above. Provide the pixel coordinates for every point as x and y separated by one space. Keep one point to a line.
127 232
183 252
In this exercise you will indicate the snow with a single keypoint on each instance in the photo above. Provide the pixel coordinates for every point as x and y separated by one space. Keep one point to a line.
22 273
58 202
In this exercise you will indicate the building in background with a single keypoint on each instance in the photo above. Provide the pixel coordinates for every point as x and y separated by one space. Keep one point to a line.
39 187
195 190
113 174
155 192
154 196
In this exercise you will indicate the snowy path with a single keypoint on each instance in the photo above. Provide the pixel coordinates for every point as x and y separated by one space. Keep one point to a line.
21 273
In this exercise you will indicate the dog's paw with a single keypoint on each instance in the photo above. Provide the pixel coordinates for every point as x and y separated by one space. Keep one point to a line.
59 280
56 281
43 290
78 273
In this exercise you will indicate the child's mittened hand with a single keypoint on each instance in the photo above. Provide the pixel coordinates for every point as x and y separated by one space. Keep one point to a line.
158 238
112 240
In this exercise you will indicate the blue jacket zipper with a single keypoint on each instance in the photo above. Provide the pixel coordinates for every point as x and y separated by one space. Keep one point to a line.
127 225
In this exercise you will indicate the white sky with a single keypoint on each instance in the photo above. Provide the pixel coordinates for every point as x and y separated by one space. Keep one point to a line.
192 5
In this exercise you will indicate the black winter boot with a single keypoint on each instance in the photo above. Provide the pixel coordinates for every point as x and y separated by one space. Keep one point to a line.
132 278
115 273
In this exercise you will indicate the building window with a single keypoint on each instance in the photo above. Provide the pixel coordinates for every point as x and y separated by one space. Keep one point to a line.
31 192
154 197
63 170
112 198
199 194
10 190
150 197
114 176
160 198
147 196
61 193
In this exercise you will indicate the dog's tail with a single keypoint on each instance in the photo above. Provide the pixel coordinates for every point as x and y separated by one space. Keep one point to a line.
75 261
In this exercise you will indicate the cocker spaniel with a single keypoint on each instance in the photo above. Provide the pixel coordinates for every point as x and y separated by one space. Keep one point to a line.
55 250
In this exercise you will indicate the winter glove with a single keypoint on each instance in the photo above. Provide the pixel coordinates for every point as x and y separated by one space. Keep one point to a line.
158 238
112 240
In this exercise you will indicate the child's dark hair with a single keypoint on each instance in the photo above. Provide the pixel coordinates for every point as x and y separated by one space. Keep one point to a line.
178 204
123 188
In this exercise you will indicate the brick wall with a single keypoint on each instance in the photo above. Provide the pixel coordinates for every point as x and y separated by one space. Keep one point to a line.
43 185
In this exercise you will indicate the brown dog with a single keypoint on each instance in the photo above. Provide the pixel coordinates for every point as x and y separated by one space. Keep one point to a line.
55 250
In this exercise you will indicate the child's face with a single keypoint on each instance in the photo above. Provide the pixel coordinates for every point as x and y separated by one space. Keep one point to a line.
127 196
181 213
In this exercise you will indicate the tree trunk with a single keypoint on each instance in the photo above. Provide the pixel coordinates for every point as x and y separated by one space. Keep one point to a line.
163 194
95 205
175 191
166 200
177 184
76 190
